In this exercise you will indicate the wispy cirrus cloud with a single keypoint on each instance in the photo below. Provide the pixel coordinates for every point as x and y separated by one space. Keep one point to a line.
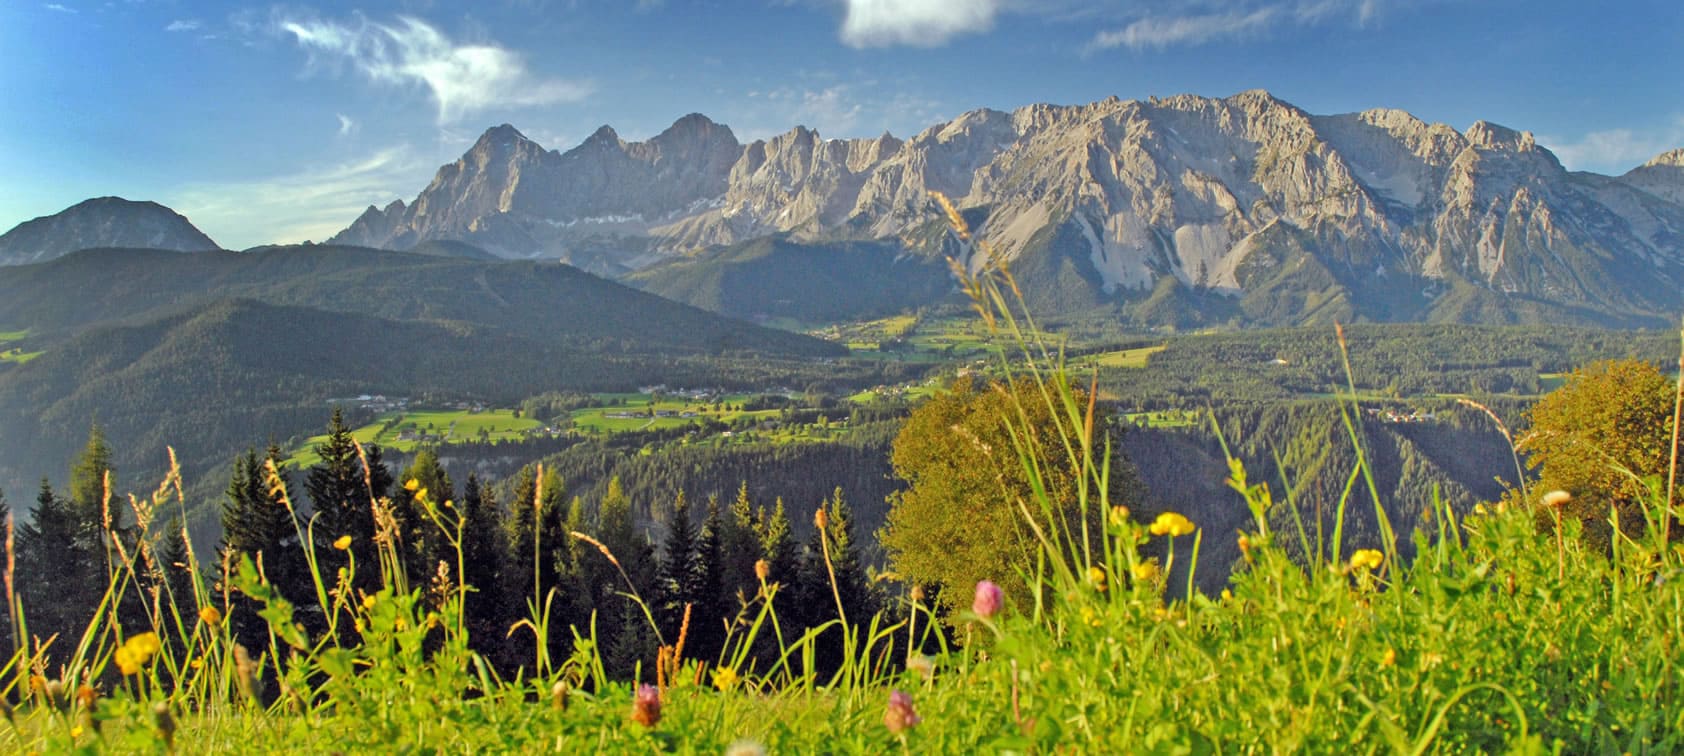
462 78
1192 22
59 8
919 23
184 25
313 203
1165 31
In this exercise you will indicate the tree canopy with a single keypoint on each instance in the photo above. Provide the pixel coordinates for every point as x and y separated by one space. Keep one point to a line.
963 517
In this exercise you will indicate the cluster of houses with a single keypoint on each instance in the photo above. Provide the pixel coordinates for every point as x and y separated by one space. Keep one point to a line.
1389 415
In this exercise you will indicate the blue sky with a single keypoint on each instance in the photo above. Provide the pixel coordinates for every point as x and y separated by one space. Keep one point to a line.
279 122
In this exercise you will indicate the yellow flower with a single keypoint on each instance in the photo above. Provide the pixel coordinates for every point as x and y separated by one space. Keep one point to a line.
210 615
368 602
725 678
1389 659
1119 516
1091 616
342 543
1171 524
135 652
1097 577
1227 595
197 664
1145 571
1367 559
76 732
411 484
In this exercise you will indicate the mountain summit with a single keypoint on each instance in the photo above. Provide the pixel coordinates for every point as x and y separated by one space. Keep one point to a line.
1287 216
101 222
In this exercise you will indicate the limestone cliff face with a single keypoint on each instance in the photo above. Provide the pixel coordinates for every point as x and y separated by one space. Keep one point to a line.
101 222
1204 190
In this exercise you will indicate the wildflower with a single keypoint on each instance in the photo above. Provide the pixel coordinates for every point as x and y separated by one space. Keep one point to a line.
1145 571
1556 498
165 721
1245 546
1119 516
900 715
1171 524
917 593
210 615
820 519
745 748
725 678
646 705
921 665
1096 576
558 696
86 696
1389 659
1227 595
197 664
245 672
76 732
989 599
342 543
411 484
1091 617
136 652
1367 559
762 569
368 602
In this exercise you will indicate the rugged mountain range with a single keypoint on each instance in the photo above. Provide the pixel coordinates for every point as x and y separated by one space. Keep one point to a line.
1243 209
101 222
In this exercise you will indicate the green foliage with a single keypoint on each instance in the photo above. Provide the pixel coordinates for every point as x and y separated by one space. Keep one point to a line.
1606 438
969 511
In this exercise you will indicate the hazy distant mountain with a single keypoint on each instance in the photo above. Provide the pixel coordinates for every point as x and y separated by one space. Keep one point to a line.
1243 209
101 222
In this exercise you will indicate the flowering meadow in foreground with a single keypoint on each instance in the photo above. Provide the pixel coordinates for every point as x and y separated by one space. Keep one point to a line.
1491 637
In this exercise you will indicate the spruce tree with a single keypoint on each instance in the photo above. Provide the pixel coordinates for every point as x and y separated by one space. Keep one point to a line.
714 605
257 523
423 544
343 493
680 576
482 556
58 571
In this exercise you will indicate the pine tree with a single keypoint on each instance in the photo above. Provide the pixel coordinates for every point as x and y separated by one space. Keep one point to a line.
89 478
537 544
257 523
680 576
58 570
343 492
714 605
740 542
423 545
483 556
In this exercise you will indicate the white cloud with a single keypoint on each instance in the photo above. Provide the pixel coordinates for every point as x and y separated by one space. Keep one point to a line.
921 23
59 8
1159 32
1615 151
183 25
462 78
347 125
1198 22
315 203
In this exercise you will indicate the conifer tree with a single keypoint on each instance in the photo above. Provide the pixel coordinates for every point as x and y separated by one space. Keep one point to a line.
257 523
343 494
537 539
740 542
714 605
680 576
58 570
483 557
423 545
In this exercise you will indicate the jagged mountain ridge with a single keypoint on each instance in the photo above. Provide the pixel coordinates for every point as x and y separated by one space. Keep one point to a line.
1374 214
101 222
